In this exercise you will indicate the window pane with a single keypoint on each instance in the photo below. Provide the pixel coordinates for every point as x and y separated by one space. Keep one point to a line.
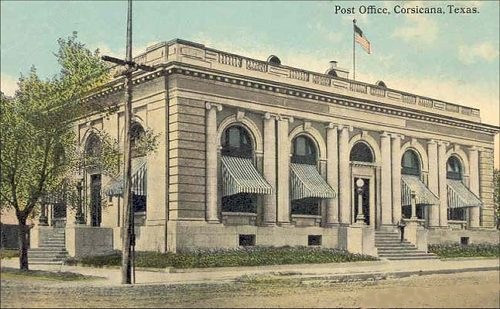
234 137
236 142
361 153
300 146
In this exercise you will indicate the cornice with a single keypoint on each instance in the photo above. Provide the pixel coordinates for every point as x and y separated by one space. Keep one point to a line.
173 68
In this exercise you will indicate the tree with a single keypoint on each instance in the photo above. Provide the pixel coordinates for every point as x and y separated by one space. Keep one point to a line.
38 141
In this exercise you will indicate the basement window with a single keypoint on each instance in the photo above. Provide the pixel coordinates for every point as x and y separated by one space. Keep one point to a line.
247 240
314 240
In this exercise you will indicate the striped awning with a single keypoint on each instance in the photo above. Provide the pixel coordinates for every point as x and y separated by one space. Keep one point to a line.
307 182
423 196
460 196
139 177
240 176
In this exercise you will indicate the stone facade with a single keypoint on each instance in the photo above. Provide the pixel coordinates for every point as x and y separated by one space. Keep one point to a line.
197 93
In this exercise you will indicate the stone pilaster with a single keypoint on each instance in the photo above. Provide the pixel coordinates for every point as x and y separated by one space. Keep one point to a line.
443 194
396 176
344 176
270 168
486 188
332 174
386 187
211 162
474 185
433 181
283 171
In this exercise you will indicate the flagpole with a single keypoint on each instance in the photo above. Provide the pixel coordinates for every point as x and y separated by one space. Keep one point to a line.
353 50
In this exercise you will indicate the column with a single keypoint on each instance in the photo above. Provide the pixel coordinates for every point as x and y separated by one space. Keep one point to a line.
43 220
433 181
474 185
283 171
396 177
332 174
211 162
270 169
344 177
443 194
386 188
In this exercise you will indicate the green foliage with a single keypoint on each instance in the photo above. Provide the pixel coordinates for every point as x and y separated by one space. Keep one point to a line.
472 250
8 254
250 256
12 273
38 139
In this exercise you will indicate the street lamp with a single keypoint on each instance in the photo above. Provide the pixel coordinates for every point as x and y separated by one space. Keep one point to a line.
360 218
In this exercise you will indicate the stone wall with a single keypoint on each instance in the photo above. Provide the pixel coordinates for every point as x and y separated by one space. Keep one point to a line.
86 241
447 236
186 159
184 235
486 187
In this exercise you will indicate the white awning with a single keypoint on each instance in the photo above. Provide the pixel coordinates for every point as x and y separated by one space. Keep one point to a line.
240 176
307 182
423 196
139 177
459 196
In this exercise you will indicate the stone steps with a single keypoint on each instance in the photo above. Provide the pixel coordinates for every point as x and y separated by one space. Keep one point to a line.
389 246
52 249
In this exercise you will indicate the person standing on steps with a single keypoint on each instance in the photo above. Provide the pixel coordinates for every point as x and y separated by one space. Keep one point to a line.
401 226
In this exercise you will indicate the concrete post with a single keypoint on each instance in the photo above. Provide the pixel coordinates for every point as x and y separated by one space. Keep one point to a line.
332 174
474 185
211 162
283 171
396 177
433 181
344 177
386 188
443 194
413 206
270 169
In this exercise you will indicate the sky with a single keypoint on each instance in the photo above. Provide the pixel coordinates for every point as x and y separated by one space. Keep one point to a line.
451 57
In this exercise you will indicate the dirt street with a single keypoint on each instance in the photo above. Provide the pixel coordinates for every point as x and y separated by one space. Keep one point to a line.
479 289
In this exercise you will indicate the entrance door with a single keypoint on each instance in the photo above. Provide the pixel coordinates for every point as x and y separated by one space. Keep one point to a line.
59 214
365 196
95 200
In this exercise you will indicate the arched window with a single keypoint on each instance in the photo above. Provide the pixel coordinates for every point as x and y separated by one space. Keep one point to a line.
453 168
304 150
136 132
93 146
361 152
410 163
454 171
236 142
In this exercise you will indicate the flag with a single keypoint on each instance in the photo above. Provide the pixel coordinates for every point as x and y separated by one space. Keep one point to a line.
361 39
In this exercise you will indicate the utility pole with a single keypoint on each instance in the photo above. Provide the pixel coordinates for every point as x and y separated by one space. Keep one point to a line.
128 234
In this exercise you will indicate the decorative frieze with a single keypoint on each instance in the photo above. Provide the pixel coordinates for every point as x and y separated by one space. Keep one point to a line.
366 105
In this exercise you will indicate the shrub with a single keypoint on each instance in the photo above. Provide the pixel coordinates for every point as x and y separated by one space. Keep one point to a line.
7 253
471 250
250 256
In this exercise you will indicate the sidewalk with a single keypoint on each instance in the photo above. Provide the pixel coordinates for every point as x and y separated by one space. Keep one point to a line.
356 271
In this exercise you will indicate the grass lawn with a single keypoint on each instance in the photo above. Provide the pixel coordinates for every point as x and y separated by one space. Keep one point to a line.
250 256
8 253
472 250
16 274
